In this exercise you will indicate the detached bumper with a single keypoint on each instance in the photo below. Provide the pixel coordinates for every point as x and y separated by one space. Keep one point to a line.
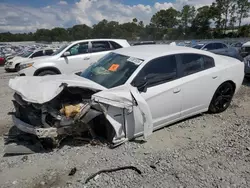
39 132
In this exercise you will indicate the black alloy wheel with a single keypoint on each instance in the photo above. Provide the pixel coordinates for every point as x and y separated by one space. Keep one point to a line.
222 98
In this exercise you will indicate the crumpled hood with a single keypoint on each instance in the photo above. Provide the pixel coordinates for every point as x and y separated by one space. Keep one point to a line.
41 89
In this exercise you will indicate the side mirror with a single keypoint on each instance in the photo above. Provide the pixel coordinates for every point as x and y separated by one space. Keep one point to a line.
205 49
141 84
65 54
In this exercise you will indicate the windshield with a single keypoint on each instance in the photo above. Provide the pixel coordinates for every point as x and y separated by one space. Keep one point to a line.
60 49
198 46
112 70
26 54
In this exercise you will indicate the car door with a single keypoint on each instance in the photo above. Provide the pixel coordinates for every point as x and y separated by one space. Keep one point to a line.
199 82
99 49
77 60
163 94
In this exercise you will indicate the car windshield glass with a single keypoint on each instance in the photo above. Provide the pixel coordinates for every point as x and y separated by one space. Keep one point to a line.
60 49
198 46
112 70
26 54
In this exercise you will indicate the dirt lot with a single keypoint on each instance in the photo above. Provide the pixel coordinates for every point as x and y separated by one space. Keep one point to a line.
204 151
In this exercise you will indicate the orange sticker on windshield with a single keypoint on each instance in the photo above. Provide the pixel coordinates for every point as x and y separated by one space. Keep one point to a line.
113 67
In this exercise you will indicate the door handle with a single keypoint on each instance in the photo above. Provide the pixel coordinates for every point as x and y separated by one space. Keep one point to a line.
86 58
177 90
214 77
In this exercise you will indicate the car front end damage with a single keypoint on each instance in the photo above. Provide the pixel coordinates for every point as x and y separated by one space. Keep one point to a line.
70 109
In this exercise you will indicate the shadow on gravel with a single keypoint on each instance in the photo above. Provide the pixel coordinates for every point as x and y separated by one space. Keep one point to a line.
141 141
246 82
20 143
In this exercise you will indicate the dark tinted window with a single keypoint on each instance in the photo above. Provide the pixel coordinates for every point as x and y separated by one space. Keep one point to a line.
210 46
115 45
159 70
49 52
218 45
38 54
193 63
100 46
208 62
224 46
80 48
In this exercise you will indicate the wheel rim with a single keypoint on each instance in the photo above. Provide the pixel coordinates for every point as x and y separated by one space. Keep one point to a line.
223 96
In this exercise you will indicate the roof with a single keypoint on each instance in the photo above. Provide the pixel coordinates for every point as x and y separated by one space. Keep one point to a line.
147 52
246 44
87 40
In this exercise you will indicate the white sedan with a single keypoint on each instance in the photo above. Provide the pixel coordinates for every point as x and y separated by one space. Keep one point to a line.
129 92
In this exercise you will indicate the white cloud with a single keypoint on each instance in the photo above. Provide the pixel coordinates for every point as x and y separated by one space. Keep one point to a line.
23 19
160 6
62 3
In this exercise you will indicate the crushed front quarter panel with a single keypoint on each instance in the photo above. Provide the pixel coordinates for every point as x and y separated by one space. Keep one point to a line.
127 98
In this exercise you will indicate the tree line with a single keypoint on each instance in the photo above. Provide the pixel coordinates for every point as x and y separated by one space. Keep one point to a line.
223 18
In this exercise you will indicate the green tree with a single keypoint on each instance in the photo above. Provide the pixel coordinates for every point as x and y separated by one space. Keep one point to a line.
135 20
243 10
79 32
201 23
166 18
187 16
233 17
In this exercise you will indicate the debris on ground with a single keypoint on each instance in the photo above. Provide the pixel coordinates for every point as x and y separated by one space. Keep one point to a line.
113 170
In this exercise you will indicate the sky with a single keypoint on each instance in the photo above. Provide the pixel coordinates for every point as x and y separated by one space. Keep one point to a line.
29 15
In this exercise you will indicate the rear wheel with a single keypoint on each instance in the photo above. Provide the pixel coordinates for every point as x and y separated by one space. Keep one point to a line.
222 98
46 72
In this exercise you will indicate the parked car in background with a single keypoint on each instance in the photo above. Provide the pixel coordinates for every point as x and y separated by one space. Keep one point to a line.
247 67
127 93
219 48
2 61
12 64
71 58
237 46
245 49
143 43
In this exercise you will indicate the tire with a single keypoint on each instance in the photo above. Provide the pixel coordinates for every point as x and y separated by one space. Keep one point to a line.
222 98
46 72
17 67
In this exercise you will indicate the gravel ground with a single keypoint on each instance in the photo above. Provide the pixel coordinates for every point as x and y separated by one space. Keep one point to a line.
204 151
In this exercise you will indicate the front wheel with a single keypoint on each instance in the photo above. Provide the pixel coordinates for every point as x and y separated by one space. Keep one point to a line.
222 98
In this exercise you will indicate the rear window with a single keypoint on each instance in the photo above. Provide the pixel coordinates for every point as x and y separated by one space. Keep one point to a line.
115 45
193 63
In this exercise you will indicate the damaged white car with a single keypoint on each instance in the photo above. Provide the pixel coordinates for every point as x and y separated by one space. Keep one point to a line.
129 92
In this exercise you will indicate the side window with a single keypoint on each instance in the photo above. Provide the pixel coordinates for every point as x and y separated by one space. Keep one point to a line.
38 54
49 52
210 46
115 45
218 45
100 46
224 46
160 70
193 63
208 62
80 48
